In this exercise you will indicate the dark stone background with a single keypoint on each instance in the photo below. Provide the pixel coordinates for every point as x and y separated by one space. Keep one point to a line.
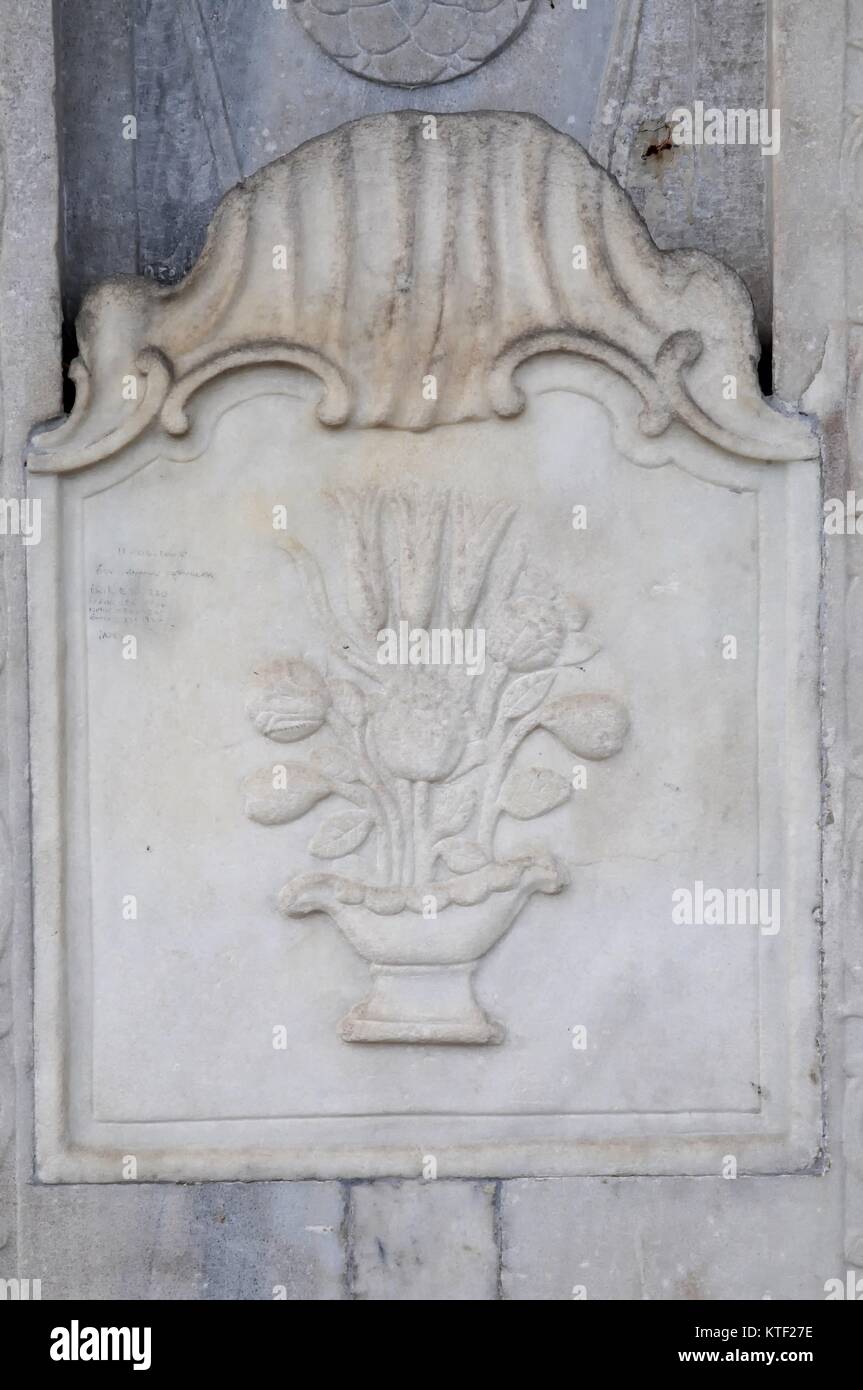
221 87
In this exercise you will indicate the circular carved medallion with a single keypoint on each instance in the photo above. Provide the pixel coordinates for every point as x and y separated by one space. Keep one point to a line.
412 43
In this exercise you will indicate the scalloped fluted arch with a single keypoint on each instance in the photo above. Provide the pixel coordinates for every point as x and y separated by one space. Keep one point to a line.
376 259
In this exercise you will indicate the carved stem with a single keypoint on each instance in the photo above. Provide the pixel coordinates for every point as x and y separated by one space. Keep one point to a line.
406 817
319 602
422 840
489 694
490 813
396 835
346 735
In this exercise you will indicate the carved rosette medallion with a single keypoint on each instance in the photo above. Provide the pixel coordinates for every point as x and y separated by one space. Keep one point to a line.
412 43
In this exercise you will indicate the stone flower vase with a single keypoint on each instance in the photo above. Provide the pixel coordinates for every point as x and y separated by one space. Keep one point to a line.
425 752
422 968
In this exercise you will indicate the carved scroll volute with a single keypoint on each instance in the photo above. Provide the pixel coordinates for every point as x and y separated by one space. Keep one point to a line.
377 259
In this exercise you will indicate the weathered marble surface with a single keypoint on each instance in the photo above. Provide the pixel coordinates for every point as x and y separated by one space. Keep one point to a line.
262 385
819 316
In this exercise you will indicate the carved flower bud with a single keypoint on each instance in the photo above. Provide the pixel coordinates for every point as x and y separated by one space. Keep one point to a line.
525 633
419 729
291 702
275 796
592 726
574 612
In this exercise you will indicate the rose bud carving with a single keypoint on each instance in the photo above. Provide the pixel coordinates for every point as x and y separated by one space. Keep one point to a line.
526 633
291 702
287 795
590 725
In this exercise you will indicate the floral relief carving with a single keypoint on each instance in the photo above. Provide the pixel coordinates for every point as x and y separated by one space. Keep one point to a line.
427 756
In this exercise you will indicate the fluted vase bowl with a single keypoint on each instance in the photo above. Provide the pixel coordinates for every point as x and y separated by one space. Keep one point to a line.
421 964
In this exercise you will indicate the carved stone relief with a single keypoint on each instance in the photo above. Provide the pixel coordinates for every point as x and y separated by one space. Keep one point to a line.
425 753
475 228
818 277
349 423
412 43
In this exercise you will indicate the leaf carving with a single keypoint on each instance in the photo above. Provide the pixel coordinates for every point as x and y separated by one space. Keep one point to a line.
337 763
462 856
526 693
532 791
453 810
276 805
349 700
475 753
341 834
421 516
577 650
477 530
367 590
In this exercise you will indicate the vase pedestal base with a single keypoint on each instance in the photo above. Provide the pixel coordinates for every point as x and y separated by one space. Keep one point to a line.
420 1004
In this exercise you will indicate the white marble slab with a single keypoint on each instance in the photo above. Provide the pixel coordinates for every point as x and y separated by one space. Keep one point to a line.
490 977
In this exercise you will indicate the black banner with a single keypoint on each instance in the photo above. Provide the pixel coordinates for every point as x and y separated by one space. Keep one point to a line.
154 1338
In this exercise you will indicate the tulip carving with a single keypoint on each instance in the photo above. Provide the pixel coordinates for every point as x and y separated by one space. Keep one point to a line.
426 757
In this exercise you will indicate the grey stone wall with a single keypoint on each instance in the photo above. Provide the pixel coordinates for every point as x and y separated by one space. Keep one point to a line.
221 87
